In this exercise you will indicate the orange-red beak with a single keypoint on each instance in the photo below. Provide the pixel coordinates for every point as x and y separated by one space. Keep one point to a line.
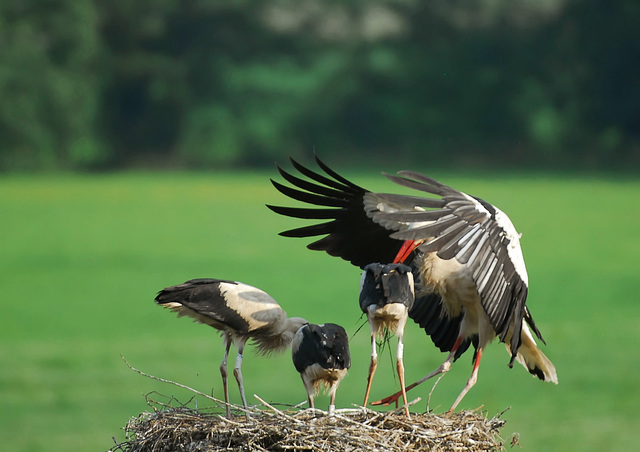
405 250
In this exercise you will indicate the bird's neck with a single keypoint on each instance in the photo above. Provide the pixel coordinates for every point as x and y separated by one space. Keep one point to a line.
279 340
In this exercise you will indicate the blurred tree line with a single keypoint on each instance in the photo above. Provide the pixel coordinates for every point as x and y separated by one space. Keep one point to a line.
102 84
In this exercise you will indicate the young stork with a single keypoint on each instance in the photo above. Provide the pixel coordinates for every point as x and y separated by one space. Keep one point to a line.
240 312
470 277
386 295
321 355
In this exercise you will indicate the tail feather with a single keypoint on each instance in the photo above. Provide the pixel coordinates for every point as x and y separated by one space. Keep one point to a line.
532 358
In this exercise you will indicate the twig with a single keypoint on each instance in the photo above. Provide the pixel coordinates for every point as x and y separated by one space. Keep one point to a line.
188 388
180 385
277 411
502 412
431 392
413 402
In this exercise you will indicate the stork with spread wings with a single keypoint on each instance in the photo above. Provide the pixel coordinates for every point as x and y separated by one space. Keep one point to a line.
471 283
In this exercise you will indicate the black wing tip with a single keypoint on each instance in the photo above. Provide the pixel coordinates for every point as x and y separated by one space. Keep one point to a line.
280 210
297 165
284 173
540 337
279 186
318 161
290 233
276 209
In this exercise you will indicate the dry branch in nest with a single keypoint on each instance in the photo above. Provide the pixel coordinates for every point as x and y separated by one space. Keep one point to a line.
265 427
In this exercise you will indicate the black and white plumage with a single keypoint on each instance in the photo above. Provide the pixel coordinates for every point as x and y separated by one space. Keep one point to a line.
240 312
321 354
386 295
471 280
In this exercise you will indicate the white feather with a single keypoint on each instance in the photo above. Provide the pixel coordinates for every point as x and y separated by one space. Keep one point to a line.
513 248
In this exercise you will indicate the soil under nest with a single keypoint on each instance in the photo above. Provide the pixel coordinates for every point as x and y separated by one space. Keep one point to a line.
189 429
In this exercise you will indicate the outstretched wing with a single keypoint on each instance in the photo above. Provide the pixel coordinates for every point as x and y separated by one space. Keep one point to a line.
351 233
473 232
348 232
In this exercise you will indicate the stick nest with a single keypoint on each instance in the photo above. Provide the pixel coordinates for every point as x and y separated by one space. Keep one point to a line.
174 426
190 429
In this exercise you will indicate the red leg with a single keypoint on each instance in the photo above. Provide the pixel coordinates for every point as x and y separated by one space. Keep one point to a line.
472 381
372 370
444 367
403 390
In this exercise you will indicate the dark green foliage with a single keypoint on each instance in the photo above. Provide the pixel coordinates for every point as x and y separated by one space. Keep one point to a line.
49 84
89 84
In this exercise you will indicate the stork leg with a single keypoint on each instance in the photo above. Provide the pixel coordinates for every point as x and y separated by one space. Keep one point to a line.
470 382
237 372
444 367
372 367
332 395
308 386
223 372
400 367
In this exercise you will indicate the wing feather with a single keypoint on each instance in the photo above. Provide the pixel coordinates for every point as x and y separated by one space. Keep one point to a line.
304 213
351 234
311 198
319 189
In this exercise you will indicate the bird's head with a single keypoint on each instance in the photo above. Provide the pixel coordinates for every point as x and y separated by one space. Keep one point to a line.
383 284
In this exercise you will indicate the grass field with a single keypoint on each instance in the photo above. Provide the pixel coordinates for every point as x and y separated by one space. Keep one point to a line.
82 258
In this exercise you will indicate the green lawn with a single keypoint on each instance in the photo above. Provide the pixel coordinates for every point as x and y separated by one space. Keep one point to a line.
82 258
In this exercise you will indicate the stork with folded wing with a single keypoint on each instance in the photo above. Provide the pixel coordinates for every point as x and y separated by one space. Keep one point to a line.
240 312
321 354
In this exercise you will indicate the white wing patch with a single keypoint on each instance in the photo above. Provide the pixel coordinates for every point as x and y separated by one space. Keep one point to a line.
513 248
479 207
250 303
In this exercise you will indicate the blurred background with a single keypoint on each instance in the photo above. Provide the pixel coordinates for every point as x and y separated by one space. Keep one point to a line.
103 85
137 139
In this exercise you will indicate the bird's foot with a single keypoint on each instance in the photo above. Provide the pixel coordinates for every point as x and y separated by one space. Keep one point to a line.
388 400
